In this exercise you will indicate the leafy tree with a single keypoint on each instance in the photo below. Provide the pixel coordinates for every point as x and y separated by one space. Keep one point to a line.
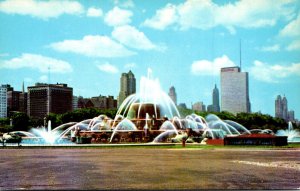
225 115
20 121
55 119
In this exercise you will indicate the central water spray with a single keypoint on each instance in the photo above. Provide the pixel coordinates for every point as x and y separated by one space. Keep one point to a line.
150 99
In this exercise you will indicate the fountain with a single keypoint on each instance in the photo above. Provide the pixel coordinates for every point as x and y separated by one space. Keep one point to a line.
49 126
149 116
293 135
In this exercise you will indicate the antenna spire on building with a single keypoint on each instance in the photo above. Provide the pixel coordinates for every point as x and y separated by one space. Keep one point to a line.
240 55
23 87
49 75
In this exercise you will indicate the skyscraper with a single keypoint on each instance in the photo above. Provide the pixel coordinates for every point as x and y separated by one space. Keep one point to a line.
291 115
16 100
172 94
3 100
281 108
49 98
127 86
215 107
284 108
278 107
234 90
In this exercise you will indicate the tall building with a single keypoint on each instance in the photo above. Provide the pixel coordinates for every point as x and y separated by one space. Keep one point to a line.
291 115
16 101
234 90
281 109
49 98
215 107
3 100
75 103
172 94
278 107
284 108
199 106
103 102
127 86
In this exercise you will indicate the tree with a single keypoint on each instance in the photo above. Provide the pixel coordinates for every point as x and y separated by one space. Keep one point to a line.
20 121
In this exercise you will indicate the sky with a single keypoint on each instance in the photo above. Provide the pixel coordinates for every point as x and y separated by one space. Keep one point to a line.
89 44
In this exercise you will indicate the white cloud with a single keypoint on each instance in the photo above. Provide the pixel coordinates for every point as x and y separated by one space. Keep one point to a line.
38 62
291 29
291 33
130 65
118 17
195 14
28 80
206 67
273 73
274 48
294 45
94 12
93 46
4 54
43 78
41 9
125 4
131 37
205 14
163 18
109 68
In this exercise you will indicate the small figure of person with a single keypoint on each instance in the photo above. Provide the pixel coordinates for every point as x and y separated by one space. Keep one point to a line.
73 137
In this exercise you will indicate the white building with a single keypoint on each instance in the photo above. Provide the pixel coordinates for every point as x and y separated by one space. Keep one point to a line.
3 101
234 90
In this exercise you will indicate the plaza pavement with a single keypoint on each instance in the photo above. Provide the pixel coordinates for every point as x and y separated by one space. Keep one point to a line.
149 168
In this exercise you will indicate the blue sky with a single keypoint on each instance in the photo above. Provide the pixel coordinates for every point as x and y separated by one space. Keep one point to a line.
88 44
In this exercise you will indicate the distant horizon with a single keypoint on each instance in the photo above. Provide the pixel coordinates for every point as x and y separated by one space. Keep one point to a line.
178 103
88 44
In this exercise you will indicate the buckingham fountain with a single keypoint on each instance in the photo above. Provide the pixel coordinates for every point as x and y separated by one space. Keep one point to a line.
149 116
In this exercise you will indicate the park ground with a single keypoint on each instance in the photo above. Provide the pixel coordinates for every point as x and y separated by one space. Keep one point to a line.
171 167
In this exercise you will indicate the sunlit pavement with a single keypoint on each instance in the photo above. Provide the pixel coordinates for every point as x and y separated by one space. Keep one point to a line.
149 168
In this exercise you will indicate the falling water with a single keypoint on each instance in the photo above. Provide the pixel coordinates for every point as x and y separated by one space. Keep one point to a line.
49 126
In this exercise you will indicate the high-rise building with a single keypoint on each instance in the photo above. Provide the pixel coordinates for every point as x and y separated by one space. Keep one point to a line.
278 107
215 107
16 101
127 86
291 115
75 103
23 102
281 109
49 98
234 90
3 100
284 108
13 100
172 94
199 106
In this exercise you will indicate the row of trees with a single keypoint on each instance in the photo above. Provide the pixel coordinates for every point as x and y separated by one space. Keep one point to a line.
21 122
248 120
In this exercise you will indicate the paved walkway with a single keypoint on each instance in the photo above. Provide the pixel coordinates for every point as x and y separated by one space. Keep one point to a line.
149 168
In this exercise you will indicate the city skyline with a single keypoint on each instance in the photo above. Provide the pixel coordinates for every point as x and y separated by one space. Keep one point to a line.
88 44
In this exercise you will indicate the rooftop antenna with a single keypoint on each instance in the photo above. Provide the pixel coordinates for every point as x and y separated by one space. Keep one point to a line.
240 55
23 89
49 75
